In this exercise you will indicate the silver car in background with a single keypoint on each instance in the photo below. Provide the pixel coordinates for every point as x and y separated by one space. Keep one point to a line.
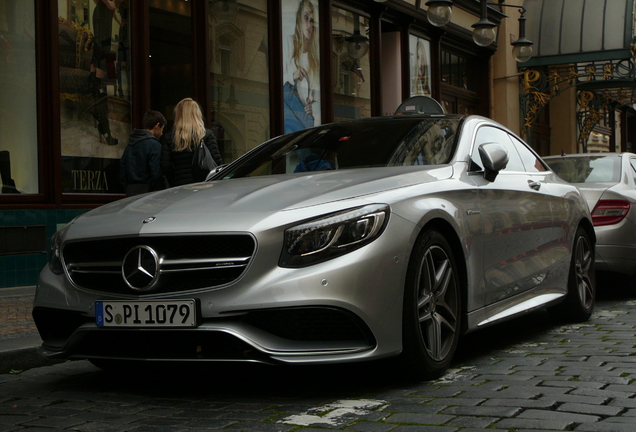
608 183
368 239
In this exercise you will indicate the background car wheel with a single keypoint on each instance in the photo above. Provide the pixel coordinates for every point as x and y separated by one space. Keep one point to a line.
431 315
579 303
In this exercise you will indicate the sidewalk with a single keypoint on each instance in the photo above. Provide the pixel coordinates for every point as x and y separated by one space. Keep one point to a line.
19 337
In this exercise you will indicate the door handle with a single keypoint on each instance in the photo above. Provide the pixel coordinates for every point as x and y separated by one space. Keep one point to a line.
534 184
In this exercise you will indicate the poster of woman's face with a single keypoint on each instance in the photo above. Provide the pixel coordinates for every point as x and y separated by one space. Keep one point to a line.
301 64
420 66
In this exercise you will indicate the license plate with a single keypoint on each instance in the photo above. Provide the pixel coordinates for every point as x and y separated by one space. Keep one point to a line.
172 313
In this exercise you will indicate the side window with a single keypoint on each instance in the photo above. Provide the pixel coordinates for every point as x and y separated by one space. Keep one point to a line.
632 162
488 134
530 161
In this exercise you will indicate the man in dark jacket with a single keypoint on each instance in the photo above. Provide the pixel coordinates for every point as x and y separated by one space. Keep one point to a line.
139 167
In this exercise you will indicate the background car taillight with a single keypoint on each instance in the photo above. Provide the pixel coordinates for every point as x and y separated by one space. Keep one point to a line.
610 212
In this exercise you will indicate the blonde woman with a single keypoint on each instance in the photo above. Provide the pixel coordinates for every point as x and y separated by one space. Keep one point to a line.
178 145
302 71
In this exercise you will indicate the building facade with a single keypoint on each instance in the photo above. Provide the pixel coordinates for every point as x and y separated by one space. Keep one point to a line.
77 75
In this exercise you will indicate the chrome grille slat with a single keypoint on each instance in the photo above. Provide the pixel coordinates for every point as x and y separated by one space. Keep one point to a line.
168 262
185 262
96 271
202 268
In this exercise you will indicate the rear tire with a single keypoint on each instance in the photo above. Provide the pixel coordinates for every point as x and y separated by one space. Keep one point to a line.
432 308
579 303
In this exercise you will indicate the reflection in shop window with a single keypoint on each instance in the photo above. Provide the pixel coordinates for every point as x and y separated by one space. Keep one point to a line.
239 75
95 92
18 126
352 89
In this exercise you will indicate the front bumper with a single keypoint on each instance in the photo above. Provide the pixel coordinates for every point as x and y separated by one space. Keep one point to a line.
345 309
268 336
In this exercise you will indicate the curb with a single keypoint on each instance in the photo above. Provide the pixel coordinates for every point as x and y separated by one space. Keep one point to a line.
23 359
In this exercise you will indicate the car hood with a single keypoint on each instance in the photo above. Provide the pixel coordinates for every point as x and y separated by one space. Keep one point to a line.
239 204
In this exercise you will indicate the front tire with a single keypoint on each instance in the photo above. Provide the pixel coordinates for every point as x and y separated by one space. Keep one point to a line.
579 303
432 308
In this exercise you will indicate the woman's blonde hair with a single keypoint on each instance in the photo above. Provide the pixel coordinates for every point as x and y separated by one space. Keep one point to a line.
297 39
189 128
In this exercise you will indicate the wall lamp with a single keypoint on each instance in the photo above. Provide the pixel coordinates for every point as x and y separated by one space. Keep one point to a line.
439 14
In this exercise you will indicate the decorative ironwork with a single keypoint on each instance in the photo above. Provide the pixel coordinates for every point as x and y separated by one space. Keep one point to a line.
601 85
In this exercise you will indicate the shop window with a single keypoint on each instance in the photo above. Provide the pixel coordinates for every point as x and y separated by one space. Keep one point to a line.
420 60
459 88
171 73
95 93
239 75
18 114
352 91
455 71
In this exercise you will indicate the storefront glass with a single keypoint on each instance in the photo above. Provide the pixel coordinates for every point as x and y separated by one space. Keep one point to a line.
239 75
18 114
352 88
95 110
455 71
420 59
171 59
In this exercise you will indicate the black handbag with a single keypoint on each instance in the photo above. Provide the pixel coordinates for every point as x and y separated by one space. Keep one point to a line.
202 162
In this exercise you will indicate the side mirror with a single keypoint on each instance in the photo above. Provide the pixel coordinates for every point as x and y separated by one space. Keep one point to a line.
494 157
214 171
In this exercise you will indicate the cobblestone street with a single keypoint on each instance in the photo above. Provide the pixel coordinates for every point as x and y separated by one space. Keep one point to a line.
15 313
532 374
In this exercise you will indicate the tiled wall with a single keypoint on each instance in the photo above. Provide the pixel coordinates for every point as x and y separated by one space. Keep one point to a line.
23 270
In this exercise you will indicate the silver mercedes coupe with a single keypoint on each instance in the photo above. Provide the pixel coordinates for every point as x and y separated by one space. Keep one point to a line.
608 183
368 239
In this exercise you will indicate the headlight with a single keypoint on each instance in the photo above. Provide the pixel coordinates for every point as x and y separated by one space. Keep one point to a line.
333 235
55 254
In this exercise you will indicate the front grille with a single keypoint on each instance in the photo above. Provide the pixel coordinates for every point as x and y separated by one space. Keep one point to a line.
186 262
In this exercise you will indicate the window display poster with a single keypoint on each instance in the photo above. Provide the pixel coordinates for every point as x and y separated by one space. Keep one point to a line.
420 54
95 111
301 64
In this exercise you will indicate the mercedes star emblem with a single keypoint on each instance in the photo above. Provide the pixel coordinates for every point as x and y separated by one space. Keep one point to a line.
140 268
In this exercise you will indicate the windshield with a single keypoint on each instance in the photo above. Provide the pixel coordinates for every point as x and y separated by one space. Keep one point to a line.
403 141
597 169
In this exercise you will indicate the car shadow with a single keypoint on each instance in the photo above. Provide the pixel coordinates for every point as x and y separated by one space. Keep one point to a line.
252 380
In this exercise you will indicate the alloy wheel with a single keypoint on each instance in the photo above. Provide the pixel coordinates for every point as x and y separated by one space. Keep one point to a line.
437 303
583 266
